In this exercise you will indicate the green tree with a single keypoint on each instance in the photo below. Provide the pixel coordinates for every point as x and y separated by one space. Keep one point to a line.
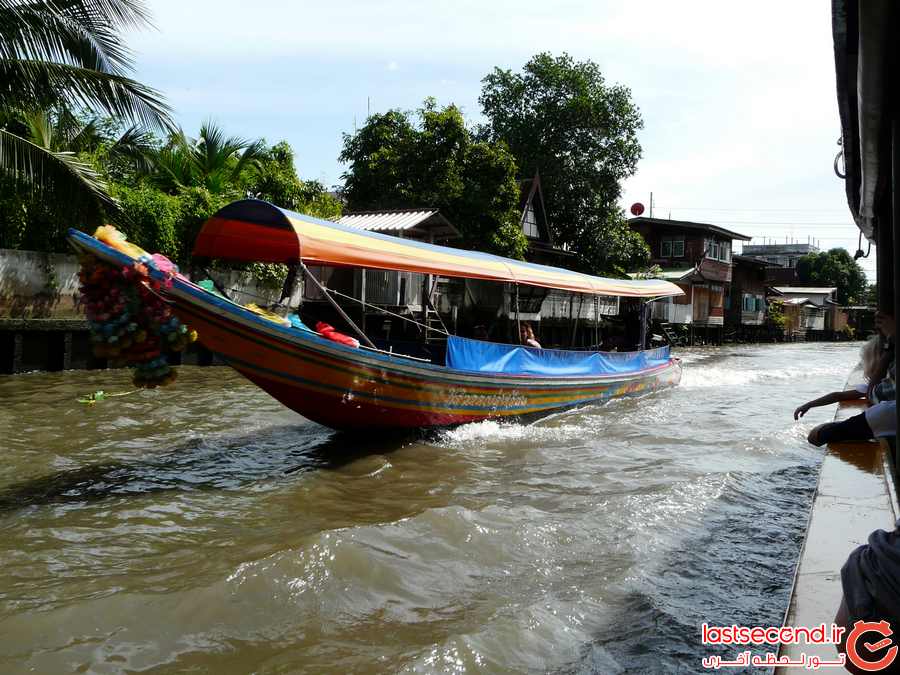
559 117
837 268
276 181
432 159
213 160
68 54
775 317
29 219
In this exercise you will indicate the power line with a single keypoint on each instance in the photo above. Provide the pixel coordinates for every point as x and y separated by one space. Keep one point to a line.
705 208
784 224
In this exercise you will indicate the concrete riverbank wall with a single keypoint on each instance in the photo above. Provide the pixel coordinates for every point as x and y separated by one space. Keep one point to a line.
42 325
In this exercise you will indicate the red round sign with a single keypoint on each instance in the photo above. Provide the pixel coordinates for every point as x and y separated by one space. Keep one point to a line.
637 209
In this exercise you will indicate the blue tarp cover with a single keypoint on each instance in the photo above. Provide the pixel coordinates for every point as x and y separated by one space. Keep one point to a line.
491 357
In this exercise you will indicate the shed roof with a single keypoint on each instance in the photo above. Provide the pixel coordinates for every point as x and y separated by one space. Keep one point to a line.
752 260
688 225
668 275
805 290
398 221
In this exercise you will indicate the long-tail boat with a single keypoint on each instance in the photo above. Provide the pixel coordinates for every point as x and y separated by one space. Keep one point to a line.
349 387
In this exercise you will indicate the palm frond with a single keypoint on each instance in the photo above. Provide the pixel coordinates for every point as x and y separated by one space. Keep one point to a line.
80 136
252 156
35 84
175 167
216 152
137 146
61 174
119 13
40 128
44 31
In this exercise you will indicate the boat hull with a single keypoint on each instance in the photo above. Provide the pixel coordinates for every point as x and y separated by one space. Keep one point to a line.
356 389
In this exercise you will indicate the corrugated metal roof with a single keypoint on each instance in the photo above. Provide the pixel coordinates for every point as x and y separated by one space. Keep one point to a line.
669 275
387 221
804 289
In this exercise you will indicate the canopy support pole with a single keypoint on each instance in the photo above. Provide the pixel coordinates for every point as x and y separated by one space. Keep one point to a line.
575 324
337 307
518 322
643 314
362 295
597 322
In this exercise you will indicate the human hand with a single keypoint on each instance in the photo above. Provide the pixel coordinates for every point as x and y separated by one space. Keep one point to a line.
885 322
801 411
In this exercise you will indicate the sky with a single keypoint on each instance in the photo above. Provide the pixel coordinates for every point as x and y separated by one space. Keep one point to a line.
738 99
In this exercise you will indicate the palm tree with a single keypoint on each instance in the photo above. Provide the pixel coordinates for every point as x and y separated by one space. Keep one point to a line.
212 160
68 55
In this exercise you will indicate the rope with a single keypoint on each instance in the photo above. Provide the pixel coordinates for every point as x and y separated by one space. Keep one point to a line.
381 309
357 300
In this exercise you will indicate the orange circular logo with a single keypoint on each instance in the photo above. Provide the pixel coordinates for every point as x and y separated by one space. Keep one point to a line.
860 628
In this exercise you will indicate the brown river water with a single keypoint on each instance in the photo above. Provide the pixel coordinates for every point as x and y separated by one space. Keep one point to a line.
204 528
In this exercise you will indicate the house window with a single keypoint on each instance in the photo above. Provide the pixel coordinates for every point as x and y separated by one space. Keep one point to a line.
671 248
760 303
529 224
718 250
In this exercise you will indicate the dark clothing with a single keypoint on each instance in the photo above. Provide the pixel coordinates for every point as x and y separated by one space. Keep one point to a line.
871 579
851 429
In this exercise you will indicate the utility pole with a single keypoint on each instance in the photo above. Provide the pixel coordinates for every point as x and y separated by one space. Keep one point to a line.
651 204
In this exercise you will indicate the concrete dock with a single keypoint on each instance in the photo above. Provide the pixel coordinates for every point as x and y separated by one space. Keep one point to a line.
855 495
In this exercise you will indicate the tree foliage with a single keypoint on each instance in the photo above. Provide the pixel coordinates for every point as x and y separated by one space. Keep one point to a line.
214 161
67 55
837 268
430 158
775 317
559 117
164 190
275 180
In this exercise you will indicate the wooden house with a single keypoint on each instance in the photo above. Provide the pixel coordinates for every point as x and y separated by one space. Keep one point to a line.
697 257
745 303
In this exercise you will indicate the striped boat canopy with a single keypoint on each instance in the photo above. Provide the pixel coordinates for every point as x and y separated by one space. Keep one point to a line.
254 230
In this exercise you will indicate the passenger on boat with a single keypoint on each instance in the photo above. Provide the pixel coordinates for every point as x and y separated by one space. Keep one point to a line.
526 334
869 578
880 419
870 355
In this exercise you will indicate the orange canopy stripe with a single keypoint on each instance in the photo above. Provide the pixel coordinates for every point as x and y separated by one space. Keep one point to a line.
254 230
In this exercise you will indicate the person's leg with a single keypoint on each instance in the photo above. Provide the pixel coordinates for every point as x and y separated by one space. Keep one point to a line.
851 429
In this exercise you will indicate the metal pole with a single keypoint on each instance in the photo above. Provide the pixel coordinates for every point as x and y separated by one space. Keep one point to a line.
597 322
337 307
362 295
643 326
518 322
575 324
